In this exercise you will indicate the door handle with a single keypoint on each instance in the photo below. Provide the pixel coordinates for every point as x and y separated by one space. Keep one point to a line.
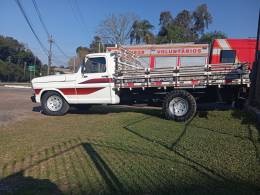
105 76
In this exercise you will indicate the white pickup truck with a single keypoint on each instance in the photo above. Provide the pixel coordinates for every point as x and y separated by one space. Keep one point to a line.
110 78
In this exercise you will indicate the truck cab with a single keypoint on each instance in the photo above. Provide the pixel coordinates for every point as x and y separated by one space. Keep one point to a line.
91 84
94 83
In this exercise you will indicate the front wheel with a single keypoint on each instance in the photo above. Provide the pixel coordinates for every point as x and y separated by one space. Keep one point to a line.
54 104
179 105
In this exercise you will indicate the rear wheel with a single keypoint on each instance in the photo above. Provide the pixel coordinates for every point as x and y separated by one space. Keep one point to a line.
179 105
54 104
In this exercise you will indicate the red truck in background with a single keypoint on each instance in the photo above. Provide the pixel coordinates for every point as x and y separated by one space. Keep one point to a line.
189 54
234 51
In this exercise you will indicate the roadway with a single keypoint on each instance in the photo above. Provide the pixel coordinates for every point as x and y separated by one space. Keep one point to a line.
15 105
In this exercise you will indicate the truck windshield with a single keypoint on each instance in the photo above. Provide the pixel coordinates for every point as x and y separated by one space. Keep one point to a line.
95 65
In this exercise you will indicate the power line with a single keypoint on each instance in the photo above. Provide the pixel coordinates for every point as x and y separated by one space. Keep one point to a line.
46 30
57 60
40 17
61 51
31 28
77 17
80 14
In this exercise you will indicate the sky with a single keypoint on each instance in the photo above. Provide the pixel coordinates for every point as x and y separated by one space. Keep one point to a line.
237 18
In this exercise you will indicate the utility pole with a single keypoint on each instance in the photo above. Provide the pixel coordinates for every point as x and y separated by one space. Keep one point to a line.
34 66
50 40
253 76
74 64
24 69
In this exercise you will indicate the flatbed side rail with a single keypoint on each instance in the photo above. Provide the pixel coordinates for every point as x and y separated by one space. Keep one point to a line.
198 76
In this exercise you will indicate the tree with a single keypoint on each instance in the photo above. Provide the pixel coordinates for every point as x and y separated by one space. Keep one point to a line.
166 20
176 29
184 18
185 27
202 18
175 34
82 52
210 36
183 21
76 61
4 71
14 58
116 29
96 45
141 32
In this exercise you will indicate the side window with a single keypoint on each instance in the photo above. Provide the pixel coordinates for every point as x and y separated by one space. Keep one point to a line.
227 56
95 65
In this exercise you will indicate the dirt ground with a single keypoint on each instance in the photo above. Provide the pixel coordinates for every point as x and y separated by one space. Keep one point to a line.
15 105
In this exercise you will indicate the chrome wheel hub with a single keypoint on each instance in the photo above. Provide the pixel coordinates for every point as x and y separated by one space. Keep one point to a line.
178 106
54 103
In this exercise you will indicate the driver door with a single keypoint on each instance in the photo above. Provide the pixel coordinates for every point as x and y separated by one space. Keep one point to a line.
94 84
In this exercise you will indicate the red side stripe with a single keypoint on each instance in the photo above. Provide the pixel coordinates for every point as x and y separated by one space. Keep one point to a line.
178 62
73 91
85 91
98 80
158 83
68 91
130 84
195 82
152 62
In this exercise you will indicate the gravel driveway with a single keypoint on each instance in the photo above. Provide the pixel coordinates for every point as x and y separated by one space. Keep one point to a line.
15 105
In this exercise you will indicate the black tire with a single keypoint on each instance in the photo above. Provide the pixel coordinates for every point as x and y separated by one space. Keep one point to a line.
185 113
46 110
240 103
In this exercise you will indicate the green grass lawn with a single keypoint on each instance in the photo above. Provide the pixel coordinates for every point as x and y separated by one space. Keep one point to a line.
111 150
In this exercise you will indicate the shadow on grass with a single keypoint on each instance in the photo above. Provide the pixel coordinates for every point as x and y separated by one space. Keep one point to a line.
102 109
172 147
19 184
249 138
229 183
110 178
250 121
246 119
94 167
152 111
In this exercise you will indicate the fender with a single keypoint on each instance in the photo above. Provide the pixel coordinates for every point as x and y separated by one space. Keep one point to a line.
38 95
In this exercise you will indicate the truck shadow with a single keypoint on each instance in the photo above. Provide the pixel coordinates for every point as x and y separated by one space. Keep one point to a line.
95 167
100 109
152 111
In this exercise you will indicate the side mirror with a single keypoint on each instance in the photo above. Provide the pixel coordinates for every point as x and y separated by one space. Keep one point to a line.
83 68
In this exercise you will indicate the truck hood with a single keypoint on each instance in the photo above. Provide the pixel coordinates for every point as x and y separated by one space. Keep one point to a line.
55 78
